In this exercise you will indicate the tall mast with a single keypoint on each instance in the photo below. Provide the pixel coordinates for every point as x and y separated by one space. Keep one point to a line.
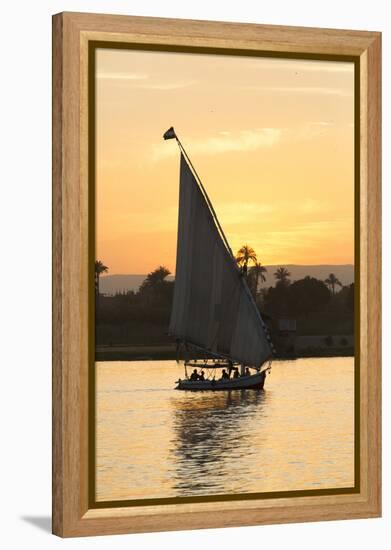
239 331
171 134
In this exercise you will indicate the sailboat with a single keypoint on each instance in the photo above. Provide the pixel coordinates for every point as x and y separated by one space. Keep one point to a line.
220 333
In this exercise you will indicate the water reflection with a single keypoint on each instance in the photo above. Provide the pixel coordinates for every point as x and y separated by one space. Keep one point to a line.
209 441
156 442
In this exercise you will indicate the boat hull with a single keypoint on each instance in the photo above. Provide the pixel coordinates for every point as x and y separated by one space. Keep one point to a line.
254 381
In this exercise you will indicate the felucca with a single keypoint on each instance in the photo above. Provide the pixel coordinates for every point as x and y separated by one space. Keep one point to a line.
219 330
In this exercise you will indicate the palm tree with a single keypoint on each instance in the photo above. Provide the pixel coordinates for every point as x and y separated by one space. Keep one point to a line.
282 275
155 279
245 255
332 282
258 272
100 268
155 289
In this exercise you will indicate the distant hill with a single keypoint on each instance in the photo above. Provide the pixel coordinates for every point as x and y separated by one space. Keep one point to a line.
110 284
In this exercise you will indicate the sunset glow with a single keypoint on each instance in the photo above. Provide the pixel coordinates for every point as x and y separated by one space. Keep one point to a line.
272 139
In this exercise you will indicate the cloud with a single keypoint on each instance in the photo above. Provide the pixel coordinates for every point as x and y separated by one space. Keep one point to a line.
160 221
237 212
138 81
296 237
121 76
302 90
168 85
309 205
243 140
315 130
225 142
307 66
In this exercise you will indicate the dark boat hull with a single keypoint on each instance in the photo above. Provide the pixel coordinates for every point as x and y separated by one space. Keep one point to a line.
254 381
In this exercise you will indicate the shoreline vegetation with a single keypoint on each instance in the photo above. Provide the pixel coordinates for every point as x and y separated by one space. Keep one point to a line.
307 317
160 353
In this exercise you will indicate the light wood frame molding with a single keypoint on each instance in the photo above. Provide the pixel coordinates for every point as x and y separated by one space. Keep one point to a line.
72 32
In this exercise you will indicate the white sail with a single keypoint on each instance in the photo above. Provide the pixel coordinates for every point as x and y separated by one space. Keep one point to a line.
212 306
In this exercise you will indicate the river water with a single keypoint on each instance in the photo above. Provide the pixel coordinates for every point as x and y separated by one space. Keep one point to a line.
156 442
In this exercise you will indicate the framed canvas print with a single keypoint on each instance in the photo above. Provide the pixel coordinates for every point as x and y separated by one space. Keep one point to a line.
216 274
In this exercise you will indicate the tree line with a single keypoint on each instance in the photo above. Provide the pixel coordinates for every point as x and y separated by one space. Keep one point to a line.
307 298
293 299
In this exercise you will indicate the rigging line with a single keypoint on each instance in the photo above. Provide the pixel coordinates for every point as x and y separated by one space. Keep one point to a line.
209 203
244 283
209 352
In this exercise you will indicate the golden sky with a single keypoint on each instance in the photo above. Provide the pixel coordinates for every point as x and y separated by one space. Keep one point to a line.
272 139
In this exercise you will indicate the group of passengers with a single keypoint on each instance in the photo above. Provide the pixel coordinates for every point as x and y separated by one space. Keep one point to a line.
196 376
225 375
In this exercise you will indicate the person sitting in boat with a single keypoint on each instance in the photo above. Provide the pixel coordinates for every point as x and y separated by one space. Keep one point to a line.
202 376
224 375
247 372
194 375
236 372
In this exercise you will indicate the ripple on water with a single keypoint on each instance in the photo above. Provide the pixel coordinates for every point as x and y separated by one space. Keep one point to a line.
154 441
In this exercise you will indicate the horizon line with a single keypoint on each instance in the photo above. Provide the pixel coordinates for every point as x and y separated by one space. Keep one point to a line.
265 265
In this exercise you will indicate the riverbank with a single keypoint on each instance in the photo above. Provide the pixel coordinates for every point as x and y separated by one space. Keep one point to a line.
135 353
156 353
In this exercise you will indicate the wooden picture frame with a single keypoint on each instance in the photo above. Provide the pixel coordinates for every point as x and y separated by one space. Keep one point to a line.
73 33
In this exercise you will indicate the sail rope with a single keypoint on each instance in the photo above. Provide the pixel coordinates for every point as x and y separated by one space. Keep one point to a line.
227 246
206 196
265 330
